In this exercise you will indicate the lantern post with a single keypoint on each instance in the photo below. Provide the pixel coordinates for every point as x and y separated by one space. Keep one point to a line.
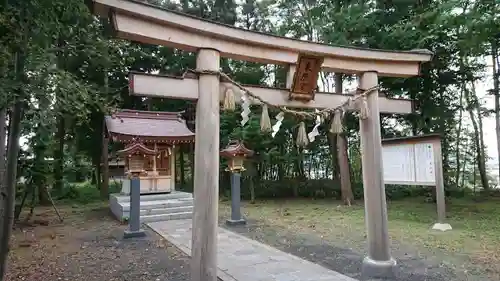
236 153
135 155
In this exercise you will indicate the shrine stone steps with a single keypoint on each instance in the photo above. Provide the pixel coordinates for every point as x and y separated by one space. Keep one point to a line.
159 204
160 211
154 197
166 217
154 207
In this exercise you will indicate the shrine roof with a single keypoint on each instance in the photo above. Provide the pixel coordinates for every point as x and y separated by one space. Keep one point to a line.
148 126
137 148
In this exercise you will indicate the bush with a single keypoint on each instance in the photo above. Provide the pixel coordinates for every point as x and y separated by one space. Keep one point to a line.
84 192
319 188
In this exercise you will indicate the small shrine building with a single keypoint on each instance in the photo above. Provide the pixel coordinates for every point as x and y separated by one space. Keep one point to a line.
150 140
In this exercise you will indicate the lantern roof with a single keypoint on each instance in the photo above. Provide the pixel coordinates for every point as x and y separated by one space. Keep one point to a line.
137 148
235 148
148 126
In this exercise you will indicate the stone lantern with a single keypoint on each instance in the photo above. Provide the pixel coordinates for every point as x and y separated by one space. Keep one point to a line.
236 153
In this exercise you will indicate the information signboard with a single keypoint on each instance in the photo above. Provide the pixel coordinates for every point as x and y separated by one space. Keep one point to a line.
411 164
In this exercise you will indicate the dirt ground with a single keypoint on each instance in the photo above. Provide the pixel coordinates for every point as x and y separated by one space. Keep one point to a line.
333 235
88 246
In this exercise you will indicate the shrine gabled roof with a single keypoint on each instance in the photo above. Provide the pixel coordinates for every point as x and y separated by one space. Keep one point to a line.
148 126
137 148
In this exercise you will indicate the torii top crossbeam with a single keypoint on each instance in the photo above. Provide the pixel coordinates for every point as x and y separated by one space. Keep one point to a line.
138 21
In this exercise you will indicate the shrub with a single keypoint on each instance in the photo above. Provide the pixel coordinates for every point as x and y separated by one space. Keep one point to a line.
84 192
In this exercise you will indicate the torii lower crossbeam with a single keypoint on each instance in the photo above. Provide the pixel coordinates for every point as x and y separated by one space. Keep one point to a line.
186 88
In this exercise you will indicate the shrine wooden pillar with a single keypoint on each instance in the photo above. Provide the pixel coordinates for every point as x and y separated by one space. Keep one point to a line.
379 262
206 169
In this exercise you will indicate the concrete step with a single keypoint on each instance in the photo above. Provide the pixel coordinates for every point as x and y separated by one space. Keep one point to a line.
155 197
166 217
159 204
175 210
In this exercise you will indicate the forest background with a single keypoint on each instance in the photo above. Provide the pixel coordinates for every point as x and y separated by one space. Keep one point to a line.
62 72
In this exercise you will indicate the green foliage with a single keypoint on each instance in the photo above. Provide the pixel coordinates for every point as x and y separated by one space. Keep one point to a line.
329 189
75 74
82 193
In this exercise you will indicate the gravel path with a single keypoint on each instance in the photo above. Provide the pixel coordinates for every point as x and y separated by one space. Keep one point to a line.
89 246
412 266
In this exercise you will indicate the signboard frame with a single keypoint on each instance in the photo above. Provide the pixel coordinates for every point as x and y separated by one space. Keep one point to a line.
434 141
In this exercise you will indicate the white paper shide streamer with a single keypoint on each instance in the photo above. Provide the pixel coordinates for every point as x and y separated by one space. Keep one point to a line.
246 109
277 125
314 132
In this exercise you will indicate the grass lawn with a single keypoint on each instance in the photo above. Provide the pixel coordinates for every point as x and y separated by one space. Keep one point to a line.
475 235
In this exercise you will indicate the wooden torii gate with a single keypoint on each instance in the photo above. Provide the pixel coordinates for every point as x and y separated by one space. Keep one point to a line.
137 21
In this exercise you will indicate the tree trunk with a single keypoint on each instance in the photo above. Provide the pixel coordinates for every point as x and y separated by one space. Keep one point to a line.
3 138
40 146
496 95
459 132
251 186
105 168
59 153
483 173
11 173
481 165
104 188
464 164
343 156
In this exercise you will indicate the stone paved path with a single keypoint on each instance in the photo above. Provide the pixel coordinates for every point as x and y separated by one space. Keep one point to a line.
243 259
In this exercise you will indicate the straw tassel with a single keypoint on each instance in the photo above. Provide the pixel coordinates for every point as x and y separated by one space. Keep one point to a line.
302 140
229 101
265 121
363 109
336 126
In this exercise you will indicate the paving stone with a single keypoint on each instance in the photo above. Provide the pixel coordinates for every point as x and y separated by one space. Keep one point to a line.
248 260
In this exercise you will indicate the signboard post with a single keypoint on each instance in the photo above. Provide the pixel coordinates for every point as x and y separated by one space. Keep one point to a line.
417 161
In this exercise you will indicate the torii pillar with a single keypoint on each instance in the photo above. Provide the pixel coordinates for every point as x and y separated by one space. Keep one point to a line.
206 169
379 262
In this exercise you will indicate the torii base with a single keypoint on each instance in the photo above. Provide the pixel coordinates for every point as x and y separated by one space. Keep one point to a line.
236 222
378 269
134 234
